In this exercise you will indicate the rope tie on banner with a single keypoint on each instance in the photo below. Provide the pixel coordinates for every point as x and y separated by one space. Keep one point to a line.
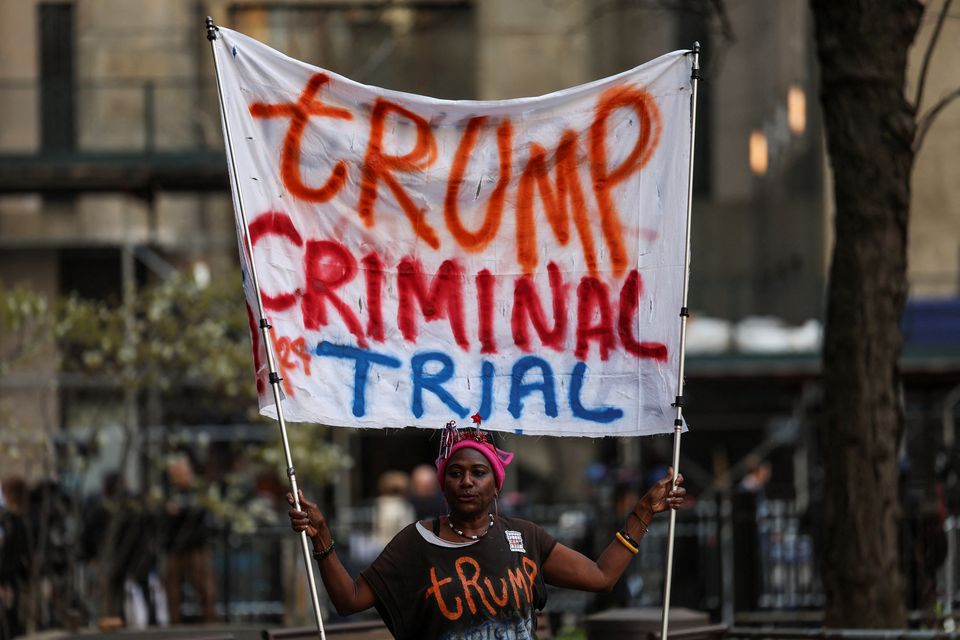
695 71
211 29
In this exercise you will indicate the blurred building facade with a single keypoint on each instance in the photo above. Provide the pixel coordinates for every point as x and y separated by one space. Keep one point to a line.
112 175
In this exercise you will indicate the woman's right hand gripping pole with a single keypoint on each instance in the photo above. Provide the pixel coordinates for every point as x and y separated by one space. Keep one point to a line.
348 595
310 519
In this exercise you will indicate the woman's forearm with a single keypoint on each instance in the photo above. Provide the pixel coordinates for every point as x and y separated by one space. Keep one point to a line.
568 568
344 591
340 586
346 594
613 561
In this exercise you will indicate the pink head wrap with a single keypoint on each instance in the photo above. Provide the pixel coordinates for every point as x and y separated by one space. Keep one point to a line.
454 439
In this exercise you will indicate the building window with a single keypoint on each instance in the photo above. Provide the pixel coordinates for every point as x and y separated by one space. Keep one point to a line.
57 113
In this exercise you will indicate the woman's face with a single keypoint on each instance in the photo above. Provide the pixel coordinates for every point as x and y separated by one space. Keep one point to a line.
469 484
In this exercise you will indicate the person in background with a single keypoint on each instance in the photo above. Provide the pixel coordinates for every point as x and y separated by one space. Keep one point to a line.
15 556
391 510
116 539
425 495
749 509
106 542
186 542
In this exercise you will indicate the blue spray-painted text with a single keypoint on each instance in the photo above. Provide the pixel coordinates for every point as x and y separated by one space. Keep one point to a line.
430 371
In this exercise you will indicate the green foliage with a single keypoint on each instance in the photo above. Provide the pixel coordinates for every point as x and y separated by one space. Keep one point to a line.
26 328
188 342
316 458
175 333
26 324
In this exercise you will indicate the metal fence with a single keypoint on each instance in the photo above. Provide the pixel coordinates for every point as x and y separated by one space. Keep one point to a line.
252 571
112 116
260 575
948 579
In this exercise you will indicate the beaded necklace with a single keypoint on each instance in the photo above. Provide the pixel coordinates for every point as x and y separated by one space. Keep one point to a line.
467 535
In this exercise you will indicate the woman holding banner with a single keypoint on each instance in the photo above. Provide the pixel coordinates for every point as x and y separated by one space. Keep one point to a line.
473 571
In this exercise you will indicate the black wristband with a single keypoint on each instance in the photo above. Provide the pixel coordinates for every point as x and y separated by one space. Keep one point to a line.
323 553
626 536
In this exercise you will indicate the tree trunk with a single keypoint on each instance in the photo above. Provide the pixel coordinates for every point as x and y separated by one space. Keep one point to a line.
862 47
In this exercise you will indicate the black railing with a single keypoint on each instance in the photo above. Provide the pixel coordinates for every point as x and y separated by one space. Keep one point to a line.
133 135
708 539
117 116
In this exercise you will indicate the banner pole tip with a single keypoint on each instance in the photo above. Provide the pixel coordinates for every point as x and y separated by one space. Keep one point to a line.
211 29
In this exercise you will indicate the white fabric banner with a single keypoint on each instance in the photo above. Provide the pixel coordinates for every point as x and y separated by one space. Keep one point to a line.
422 259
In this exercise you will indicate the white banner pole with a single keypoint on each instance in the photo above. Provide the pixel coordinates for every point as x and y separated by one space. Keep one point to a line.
684 314
265 329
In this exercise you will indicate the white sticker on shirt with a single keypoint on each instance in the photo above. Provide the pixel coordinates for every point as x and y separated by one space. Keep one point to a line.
515 539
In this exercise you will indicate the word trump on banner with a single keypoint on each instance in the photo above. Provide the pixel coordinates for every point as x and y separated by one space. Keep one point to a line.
419 259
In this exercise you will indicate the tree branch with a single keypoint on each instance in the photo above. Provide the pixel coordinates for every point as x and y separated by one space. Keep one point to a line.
928 54
925 122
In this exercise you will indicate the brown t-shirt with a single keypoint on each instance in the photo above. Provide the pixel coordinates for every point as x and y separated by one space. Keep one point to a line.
490 589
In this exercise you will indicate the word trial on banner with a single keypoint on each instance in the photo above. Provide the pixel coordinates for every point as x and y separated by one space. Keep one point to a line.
422 259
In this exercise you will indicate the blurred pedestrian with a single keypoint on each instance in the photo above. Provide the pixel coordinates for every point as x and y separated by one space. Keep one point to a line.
749 509
15 555
116 539
391 510
425 495
187 542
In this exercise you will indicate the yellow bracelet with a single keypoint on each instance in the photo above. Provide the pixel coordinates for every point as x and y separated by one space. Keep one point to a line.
629 538
634 550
